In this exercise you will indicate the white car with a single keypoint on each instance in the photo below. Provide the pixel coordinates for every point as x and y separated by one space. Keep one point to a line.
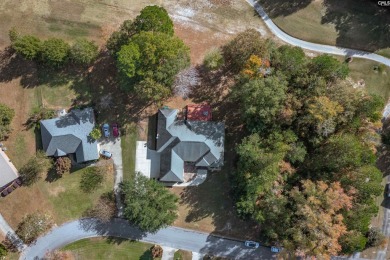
252 244
106 154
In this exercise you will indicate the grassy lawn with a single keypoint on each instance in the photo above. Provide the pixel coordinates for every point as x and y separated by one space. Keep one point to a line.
62 198
128 141
107 248
355 24
209 208
68 200
376 81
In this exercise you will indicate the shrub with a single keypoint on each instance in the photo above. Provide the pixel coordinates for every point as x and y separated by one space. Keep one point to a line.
33 225
55 52
35 166
28 46
213 59
91 179
353 241
63 165
83 51
375 237
3 251
13 34
6 116
157 251
95 134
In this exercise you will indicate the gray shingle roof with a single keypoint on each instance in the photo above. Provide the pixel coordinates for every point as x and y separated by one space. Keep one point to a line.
8 172
69 134
179 141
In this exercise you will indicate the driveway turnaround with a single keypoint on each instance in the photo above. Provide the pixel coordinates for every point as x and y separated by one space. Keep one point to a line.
170 237
314 46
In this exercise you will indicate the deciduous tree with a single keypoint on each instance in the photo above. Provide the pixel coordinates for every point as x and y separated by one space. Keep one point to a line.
55 52
84 51
63 165
148 204
154 19
28 46
317 223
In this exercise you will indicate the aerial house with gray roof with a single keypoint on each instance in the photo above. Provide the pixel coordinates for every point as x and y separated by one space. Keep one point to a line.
69 135
186 144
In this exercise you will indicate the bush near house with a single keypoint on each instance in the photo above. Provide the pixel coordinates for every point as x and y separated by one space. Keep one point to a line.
3 251
95 134
157 251
63 165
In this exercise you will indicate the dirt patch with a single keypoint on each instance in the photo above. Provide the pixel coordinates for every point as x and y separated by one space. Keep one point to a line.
56 190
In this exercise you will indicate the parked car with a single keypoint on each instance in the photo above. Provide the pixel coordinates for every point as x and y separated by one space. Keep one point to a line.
106 130
115 130
252 244
106 154
388 189
275 249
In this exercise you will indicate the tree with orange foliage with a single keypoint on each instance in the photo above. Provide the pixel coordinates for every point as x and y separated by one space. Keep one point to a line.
317 221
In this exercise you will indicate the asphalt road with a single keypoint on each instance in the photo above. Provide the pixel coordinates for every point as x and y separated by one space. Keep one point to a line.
171 237
314 46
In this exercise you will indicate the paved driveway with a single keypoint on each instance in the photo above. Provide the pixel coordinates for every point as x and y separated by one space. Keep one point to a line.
113 145
174 237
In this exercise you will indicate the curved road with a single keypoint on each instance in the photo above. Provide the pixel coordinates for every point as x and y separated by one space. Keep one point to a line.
314 46
171 237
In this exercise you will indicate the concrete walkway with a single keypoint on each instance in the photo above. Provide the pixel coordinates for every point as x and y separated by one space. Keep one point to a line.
168 253
314 46
113 145
10 234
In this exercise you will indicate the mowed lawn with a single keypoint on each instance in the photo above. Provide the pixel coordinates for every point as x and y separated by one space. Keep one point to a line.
109 249
62 198
356 24
128 143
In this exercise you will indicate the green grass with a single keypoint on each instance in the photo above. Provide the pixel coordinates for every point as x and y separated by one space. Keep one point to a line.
20 150
376 81
68 200
60 96
128 142
182 255
110 248
355 24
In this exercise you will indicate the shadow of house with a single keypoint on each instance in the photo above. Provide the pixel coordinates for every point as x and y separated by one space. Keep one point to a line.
179 143
69 134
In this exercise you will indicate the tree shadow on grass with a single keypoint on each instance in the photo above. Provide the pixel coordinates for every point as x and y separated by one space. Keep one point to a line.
276 8
360 24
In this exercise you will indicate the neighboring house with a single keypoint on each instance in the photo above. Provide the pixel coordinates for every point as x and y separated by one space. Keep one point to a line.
69 135
186 145
8 172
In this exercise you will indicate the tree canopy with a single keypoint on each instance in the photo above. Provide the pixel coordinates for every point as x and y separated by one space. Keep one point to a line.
152 57
6 116
28 46
83 51
55 52
148 204
154 19
306 168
